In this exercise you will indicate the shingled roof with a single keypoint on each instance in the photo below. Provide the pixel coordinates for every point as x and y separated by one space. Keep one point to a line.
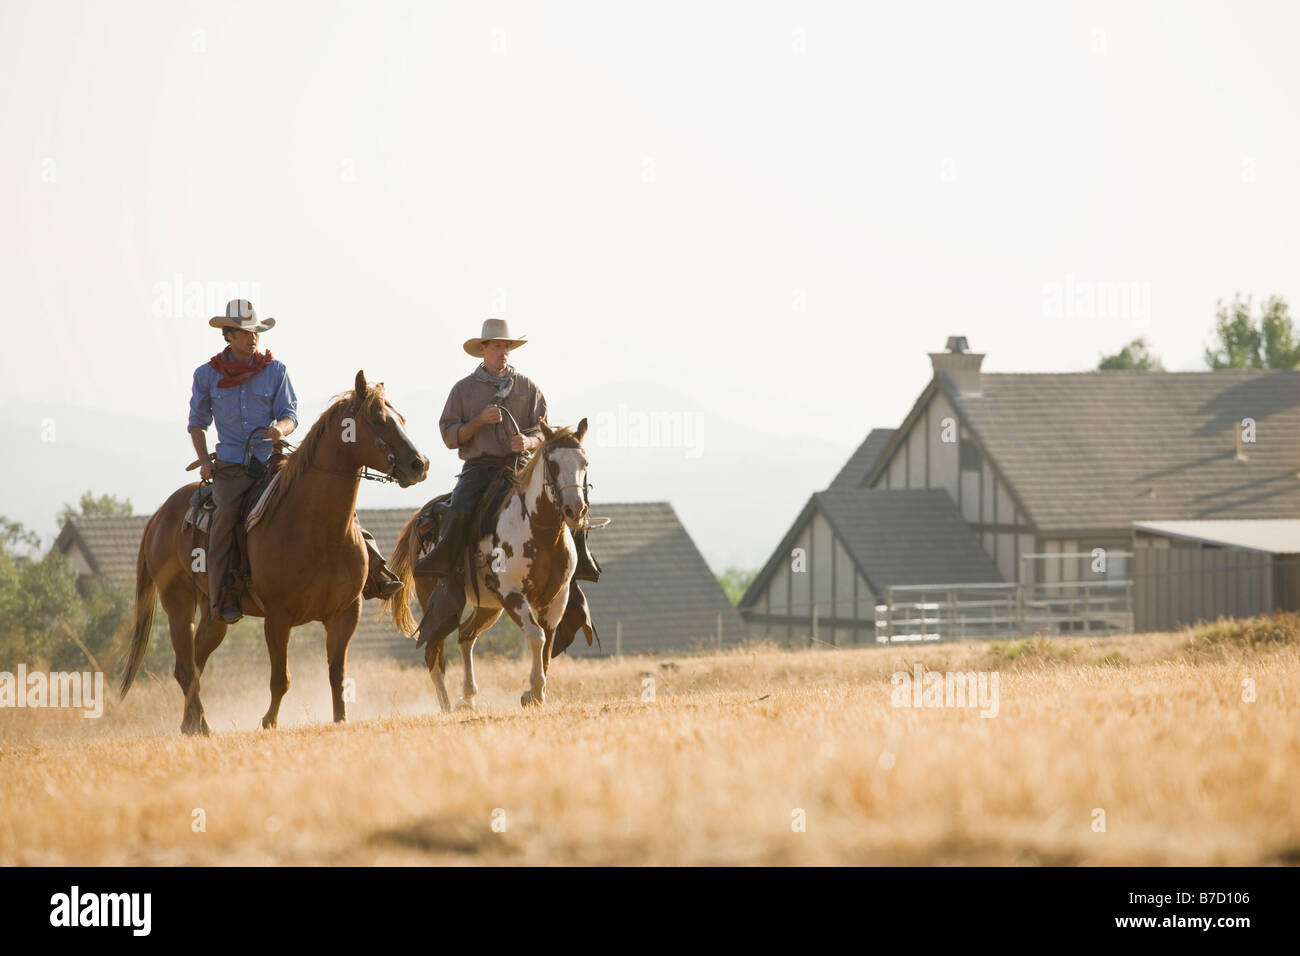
109 545
1099 450
894 536
654 579
855 470
906 536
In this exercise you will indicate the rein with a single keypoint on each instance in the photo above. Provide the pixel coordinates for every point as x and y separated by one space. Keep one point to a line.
365 471
549 483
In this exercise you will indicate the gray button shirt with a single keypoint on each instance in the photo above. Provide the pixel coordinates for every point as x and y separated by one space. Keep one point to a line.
470 396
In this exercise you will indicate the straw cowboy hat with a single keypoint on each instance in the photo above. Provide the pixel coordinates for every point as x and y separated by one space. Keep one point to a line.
494 330
240 314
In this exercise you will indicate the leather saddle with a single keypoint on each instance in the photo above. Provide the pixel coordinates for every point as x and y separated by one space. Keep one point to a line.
482 519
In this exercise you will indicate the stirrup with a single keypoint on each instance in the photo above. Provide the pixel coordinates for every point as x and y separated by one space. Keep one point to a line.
587 569
441 563
377 586
424 568
433 629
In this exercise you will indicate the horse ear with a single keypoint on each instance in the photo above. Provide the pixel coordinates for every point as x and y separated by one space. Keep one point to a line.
582 430
358 390
547 432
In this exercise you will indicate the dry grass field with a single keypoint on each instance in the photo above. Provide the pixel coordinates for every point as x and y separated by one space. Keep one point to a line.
1153 730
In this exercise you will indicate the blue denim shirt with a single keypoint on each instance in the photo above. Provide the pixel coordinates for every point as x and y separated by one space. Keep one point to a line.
260 401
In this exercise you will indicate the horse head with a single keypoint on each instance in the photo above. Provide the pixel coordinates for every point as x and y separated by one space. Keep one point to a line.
381 441
565 475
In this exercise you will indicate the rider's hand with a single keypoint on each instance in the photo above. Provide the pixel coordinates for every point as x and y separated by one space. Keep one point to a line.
273 433
205 470
490 415
522 443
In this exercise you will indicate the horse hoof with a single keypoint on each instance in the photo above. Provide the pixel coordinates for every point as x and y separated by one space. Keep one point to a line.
529 699
204 729
268 723
464 704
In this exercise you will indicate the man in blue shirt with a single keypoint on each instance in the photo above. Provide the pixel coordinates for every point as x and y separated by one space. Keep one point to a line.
243 390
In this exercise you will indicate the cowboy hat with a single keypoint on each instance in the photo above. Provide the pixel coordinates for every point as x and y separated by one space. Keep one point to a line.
494 330
240 314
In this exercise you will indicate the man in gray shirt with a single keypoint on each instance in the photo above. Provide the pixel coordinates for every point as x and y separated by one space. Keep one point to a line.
472 423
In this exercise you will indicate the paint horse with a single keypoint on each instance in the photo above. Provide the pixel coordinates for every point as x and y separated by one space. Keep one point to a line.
523 567
306 554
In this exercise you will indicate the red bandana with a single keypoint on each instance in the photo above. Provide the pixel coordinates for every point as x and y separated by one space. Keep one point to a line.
236 373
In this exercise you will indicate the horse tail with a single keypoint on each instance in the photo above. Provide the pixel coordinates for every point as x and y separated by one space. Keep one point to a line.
146 597
402 564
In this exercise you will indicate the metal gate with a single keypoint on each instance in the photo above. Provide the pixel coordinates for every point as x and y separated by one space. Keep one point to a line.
943 612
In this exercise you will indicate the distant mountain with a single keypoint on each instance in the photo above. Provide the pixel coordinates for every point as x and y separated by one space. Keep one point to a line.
54 453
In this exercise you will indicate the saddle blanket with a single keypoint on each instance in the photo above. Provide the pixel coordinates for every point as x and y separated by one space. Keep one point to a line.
199 513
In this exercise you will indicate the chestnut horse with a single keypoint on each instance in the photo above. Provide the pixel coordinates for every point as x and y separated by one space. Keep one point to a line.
524 567
306 554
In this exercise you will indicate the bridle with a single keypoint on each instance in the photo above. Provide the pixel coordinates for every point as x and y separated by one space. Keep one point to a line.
365 472
551 484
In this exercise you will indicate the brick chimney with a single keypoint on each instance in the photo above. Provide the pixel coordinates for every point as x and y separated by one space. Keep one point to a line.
961 366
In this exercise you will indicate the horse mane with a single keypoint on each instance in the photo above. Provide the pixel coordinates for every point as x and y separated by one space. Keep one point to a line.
302 458
525 474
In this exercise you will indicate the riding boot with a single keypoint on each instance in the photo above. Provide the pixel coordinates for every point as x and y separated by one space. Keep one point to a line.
588 569
444 558
442 611
231 612
380 581
230 603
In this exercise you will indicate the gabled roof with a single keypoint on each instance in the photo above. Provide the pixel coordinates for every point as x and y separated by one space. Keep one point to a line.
907 536
855 470
110 545
655 581
894 536
1099 450
654 578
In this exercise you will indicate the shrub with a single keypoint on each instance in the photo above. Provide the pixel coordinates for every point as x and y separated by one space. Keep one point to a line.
1282 627
1034 650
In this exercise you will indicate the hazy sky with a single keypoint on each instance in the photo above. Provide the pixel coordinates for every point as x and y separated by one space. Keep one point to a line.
776 209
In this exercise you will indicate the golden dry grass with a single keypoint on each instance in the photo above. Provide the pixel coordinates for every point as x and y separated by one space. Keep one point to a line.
1151 729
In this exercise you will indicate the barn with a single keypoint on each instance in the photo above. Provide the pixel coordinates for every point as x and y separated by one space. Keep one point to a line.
1045 473
656 592
1189 571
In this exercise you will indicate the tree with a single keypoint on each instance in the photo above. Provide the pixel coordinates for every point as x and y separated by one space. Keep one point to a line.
13 535
105 506
1134 357
1281 344
1240 342
47 615
735 582
35 593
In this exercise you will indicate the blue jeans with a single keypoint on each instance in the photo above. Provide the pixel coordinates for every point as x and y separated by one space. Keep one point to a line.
472 481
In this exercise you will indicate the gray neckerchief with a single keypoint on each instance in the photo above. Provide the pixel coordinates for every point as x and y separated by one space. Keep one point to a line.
503 383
